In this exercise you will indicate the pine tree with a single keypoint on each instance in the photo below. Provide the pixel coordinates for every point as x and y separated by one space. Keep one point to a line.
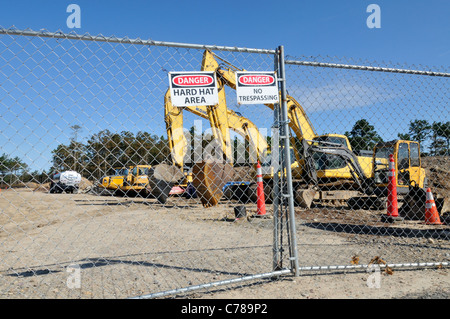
363 136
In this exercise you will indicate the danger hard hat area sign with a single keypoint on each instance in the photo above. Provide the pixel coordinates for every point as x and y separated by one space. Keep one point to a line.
193 88
256 87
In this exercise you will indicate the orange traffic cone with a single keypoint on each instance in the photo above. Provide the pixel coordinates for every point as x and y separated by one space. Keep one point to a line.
392 202
431 213
260 202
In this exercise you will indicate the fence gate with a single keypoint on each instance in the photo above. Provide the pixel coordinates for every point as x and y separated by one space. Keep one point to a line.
372 103
92 143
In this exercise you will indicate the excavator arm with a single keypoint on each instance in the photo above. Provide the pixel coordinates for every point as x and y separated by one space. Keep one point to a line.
298 120
219 123
173 116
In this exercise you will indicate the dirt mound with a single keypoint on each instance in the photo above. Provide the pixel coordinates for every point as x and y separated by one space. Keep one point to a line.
42 187
45 187
437 169
85 183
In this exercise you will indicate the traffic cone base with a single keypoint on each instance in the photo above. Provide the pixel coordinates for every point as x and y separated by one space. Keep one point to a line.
431 213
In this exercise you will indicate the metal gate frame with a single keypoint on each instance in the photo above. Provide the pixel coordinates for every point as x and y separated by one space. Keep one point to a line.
368 68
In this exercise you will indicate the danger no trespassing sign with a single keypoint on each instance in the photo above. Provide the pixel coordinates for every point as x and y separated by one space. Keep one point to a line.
256 87
193 88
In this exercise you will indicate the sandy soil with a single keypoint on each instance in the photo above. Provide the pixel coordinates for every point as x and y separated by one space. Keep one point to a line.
128 247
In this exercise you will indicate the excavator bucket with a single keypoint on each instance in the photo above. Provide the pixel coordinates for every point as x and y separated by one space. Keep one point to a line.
304 197
414 204
209 178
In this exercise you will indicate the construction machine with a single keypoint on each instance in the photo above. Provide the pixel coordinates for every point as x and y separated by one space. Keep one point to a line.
410 178
206 173
114 181
136 181
409 175
153 181
299 122
130 180
144 181
222 118
326 168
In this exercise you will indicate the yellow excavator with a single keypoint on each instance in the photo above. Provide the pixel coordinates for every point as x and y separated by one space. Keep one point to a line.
206 177
331 168
221 122
298 122
337 173
221 119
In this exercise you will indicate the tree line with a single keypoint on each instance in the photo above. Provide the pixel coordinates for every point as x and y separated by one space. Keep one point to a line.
436 135
106 150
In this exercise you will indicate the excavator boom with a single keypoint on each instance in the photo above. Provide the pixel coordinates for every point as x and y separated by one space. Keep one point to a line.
218 121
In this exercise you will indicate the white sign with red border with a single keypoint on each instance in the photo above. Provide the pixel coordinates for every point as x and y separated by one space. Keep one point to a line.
193 88
256 87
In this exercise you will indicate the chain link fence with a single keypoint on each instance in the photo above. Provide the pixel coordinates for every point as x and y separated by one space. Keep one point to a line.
378 109
96 200
108 190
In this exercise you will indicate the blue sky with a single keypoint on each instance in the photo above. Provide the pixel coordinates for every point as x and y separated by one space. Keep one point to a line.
414 33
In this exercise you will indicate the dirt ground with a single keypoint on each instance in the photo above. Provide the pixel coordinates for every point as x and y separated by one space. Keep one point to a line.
129 247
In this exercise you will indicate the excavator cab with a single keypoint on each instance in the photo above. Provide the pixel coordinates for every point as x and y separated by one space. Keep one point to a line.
324 162
409 172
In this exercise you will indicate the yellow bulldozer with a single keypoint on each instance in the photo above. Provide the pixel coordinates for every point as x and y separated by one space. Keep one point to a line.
114 181
126 180
158 181
136 181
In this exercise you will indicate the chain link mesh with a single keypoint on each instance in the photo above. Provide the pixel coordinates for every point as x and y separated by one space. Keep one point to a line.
373 105
96 107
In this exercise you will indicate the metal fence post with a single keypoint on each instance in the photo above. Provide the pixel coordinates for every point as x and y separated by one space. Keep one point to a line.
275 163
286 162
